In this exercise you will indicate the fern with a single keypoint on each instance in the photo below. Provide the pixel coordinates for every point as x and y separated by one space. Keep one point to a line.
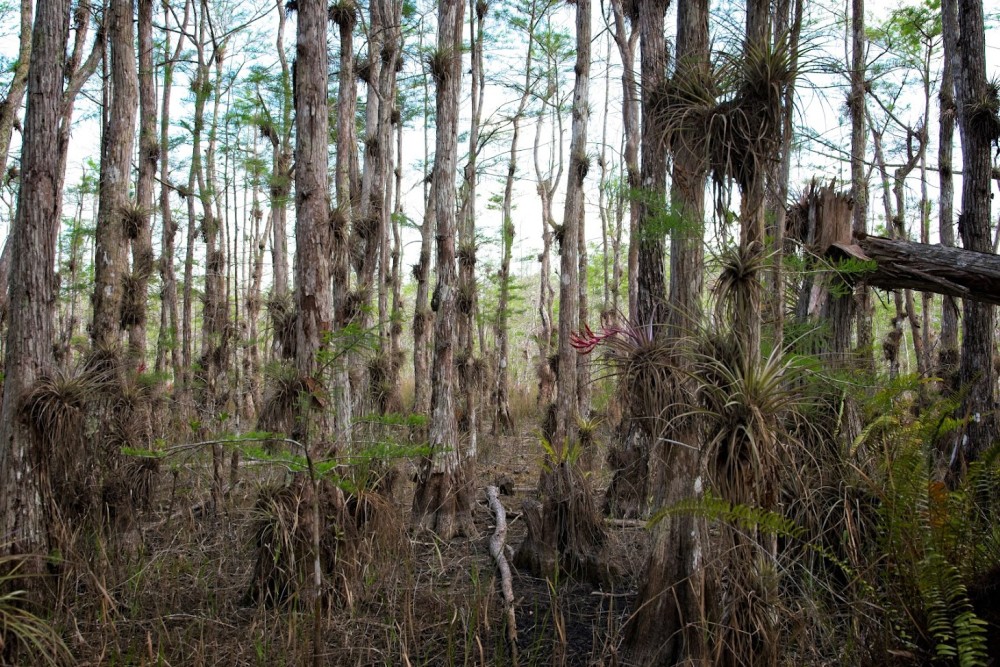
932 540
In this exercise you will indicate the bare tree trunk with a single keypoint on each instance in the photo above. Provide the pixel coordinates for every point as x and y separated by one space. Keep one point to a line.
465 360
977 123
948 354
134 312
167 344
892 343
546 183
859 188
9 109
345 16
32 294
626 41
254 299
116 162
281 167
442 502
422 315
502 422
313 234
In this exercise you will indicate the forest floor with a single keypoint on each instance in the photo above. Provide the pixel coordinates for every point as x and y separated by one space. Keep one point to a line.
174 589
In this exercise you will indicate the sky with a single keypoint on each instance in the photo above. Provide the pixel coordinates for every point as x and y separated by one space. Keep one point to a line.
820 106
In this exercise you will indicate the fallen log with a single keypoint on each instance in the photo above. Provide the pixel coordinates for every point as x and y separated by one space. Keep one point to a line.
506 583
964 274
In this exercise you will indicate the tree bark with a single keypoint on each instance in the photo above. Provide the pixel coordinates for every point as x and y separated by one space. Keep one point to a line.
442 502
669 625
948 353
134 315
313 242
116 162
33 247
345 16
167 344
979 128
652 291
965 274
859 187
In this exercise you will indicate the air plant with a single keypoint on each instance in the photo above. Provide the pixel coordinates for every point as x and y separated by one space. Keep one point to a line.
622 340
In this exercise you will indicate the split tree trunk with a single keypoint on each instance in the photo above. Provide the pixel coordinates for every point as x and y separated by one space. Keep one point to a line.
669 625
116 163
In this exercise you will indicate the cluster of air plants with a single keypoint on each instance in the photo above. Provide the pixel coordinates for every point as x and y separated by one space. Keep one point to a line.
83 419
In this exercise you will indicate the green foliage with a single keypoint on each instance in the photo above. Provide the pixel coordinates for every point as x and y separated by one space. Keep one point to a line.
932 541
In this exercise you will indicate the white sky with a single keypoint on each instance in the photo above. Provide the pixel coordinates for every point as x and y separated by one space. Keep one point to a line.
820 106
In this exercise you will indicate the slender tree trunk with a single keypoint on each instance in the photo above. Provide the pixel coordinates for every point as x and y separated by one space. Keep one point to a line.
134 314
32 293
546 184
422 315
891 345
11 104
116 161
859 188
345 16
569 248
9 109
254 299
626 41
469 383
502 421
977 123
167 344
281 168
442 502
948 355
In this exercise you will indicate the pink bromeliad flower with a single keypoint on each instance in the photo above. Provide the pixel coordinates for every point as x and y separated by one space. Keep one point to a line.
621 340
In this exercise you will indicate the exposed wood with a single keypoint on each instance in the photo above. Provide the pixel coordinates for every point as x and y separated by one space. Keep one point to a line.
497 551
940 269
